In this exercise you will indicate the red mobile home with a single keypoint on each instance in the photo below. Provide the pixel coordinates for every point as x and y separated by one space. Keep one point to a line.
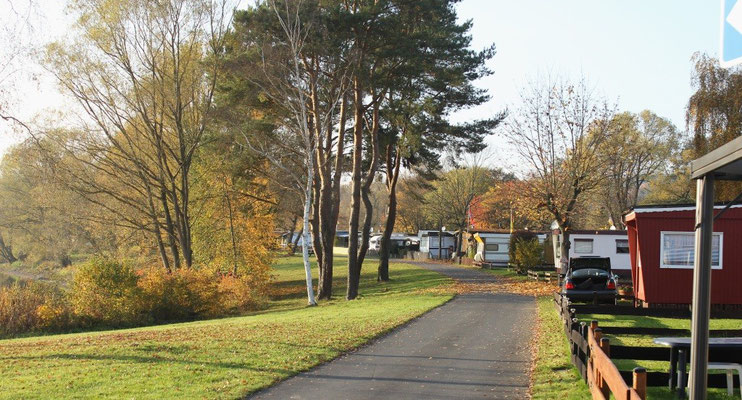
661 247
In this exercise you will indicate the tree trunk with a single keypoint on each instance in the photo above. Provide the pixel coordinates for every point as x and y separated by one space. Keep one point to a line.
232 234
305 230
366 189
156 224
316 232
170 229
366 230
296 241
6 252
384 249
329 208
564 249
290 242
354 268
391 214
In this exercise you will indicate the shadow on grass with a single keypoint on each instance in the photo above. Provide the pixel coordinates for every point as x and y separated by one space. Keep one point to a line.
404 279
150 360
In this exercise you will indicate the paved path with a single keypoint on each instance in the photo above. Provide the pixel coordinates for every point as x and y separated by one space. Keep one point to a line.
475 346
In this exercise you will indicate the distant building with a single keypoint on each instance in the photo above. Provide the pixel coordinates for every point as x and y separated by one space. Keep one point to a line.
429 244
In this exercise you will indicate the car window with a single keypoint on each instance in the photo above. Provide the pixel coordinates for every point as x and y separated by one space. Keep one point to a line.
589 273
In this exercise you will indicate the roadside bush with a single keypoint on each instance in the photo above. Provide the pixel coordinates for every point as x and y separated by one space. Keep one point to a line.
240 294
529 253
515 238
182 294
30 307
106 292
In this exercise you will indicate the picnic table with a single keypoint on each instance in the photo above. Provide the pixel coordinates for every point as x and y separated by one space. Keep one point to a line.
679 354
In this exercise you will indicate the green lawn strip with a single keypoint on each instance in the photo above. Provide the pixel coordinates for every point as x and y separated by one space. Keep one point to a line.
554 376
501 272
647 341
224 358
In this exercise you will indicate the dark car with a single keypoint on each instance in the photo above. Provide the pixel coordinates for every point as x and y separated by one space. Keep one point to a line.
589 279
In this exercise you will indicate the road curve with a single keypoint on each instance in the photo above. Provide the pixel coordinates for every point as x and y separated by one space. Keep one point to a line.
475 346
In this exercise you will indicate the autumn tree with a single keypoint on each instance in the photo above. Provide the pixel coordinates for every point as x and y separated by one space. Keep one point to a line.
411 213
144 75
636 147
40 220
713 113
453 193
557 131
18 23
507 204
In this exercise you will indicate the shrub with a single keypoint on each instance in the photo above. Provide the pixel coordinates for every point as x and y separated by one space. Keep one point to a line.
182 294
529 253
515 237
106 292
31 306
240 294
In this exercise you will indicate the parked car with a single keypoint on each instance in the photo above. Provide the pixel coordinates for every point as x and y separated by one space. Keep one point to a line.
589 279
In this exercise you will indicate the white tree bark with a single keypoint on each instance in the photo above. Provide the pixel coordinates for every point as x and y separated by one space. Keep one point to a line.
307 237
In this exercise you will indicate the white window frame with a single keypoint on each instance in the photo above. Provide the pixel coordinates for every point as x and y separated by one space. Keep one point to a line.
674 266
592 245
627 245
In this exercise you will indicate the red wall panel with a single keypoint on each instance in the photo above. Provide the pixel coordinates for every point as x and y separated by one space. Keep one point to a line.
665 285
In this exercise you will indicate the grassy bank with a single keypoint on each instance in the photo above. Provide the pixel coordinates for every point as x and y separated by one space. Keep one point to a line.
224 358
554 376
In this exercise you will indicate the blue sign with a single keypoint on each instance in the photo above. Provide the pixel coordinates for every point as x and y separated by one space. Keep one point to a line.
731 33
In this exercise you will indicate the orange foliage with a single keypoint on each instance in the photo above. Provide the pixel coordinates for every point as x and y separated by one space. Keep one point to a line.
493 209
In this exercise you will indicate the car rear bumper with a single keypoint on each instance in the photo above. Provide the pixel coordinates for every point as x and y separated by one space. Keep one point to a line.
590 295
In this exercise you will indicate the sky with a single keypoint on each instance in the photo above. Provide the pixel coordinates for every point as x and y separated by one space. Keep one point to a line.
636 53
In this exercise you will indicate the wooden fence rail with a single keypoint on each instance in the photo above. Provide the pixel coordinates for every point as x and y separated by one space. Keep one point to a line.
606 377
577 335
591 357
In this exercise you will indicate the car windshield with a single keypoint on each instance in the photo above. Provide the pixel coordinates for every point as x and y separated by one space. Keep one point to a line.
589 272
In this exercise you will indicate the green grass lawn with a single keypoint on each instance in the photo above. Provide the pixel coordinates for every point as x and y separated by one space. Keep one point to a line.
646 341
223 358
501 272
554 376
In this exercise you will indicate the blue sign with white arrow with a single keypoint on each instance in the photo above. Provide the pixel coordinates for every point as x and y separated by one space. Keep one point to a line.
731 33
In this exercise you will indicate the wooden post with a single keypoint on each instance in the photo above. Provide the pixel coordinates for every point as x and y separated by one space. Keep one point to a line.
593 324
640 382
598 334
605 345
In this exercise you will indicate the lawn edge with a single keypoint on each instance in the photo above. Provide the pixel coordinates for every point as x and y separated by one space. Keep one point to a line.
371 341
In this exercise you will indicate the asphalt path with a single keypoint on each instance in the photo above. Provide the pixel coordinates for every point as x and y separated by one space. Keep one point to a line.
475 346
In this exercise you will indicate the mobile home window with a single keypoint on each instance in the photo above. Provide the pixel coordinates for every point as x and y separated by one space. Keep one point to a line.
496 247
677 250
622 246
583 246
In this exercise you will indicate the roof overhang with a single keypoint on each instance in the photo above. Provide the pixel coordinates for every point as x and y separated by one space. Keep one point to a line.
724 163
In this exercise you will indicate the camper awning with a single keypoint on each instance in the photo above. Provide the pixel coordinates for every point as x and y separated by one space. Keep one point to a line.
724 163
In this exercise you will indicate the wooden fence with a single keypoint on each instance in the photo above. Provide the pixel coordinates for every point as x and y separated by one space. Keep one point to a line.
590 354
578 335
542 275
